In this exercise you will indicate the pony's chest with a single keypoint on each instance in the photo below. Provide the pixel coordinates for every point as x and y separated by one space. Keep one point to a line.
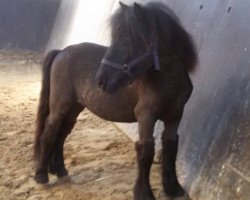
117 107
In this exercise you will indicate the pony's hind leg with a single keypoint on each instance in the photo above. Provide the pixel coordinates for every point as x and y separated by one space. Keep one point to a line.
56 165
170 139
145 155
47 140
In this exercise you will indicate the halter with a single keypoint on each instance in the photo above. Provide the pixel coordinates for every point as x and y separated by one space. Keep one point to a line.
127 68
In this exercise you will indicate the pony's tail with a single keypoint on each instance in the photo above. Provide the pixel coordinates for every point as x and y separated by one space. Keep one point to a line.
43 107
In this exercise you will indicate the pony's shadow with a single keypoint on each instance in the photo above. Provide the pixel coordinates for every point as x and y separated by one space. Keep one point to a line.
54 182
74 179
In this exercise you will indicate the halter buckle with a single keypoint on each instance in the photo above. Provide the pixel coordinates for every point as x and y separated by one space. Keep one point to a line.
125 68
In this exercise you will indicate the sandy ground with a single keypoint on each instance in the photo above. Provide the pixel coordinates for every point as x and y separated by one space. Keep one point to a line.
100 159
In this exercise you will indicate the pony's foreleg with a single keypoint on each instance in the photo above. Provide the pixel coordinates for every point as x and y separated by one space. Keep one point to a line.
145 155
169 152
57 161
48 138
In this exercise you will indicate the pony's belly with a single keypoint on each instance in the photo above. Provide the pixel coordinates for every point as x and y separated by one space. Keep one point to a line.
115 107
113 116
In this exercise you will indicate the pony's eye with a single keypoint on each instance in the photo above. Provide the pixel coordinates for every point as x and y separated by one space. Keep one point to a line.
125 43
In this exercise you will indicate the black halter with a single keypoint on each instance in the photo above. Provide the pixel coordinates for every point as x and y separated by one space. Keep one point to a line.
127 68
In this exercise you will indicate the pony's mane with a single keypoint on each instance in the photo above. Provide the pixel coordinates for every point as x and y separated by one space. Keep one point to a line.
158 22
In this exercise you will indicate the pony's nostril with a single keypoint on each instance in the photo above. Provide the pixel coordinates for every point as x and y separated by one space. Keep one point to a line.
101 82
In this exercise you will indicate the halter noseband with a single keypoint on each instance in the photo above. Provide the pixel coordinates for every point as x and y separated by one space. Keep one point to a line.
126 68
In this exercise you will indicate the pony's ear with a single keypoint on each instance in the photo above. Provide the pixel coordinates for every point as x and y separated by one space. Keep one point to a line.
138 10
123 6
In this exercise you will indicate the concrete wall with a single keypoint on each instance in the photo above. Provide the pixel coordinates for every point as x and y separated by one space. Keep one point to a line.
63 25
75 24
26 24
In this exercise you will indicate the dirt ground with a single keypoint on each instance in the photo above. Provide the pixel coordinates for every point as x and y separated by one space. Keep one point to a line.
100 159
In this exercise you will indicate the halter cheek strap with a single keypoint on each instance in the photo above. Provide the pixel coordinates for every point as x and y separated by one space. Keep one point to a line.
156 60
127 68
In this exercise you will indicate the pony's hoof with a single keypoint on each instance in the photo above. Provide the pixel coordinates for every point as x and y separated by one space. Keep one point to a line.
143 194
41 177
57 170
62 173
176 191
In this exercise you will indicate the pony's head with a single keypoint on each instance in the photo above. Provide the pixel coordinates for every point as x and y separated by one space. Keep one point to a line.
130 52
138 34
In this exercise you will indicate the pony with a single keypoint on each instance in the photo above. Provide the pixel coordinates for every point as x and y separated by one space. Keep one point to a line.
143 76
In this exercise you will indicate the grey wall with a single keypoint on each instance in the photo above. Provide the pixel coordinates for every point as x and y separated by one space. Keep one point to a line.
26 24
81 21
63 24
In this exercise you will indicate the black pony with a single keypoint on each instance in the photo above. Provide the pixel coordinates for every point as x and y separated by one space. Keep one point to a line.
142 76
